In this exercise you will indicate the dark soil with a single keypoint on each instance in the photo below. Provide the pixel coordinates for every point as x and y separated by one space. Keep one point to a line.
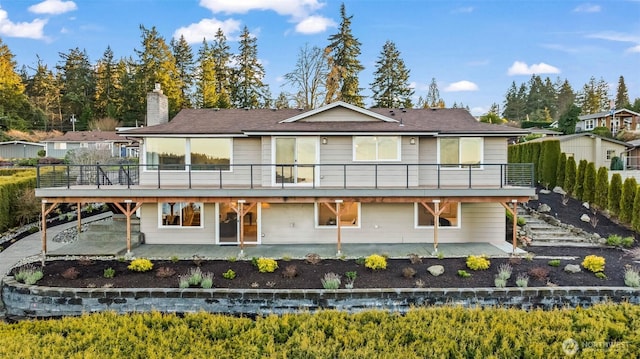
310 275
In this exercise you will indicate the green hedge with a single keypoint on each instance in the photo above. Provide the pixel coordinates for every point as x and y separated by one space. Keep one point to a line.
11 187
611 331
626 199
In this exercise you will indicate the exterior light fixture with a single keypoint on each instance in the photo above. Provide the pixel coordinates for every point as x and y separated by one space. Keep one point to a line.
324 140
412 140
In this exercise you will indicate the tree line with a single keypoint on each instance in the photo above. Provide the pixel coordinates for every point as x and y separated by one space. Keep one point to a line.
46 98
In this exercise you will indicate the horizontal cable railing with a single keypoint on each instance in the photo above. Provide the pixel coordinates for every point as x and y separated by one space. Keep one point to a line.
349 175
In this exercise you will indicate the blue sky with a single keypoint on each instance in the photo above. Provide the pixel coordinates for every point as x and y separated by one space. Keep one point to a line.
474 49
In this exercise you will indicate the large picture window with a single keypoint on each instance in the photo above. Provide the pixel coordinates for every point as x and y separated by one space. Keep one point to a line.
168 153
376 148
180 214
209 154
197 154
349 215
448 218
461 151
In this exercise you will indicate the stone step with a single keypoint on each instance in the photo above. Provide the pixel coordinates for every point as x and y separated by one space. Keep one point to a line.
559 239
566 244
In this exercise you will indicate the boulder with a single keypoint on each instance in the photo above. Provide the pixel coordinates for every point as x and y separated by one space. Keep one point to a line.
585 205
544 208
544 191
559 190
436 270
572 268
585 218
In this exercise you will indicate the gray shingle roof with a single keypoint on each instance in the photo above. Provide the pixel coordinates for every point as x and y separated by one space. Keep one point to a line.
264 121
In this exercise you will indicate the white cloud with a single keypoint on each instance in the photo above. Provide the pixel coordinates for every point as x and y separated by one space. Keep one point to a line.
207 28
27 30
615 36
297 8
463 85
521 68
478 111
53 7
634 49
587 8
314 24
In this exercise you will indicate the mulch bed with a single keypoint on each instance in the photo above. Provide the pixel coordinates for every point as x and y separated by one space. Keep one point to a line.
310 275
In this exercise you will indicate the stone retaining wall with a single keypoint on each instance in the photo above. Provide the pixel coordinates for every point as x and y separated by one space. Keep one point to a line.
25 301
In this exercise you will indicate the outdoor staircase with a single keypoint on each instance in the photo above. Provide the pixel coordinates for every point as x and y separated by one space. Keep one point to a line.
544 230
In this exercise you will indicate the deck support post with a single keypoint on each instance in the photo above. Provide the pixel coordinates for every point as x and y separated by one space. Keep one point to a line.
514 213
436 211
45 211
128 212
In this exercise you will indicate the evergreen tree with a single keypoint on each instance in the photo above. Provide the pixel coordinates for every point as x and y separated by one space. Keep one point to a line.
248 89
206 95
568 120
106 101
308 77
589 184
514 104
78 86
570 176
627 197
579 188
185 67
601 197
222 68
615 192
433 96
550 164
594 97
342 53
622 94
157 64
43 90
282 101
565 99
549 99
132 108
390 85
14 105
635 220
535 101
561 170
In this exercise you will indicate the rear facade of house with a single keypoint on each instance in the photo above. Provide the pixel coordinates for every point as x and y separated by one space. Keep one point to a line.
338 173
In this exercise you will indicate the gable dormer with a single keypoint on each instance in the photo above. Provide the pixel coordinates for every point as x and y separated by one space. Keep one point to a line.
339 112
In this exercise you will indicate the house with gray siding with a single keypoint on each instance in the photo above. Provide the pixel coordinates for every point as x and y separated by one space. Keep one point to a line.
111 141
336 174
20 149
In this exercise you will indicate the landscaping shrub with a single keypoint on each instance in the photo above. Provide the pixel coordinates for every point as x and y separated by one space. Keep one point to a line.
140 265
551 155
593 263
570 176
615 192
28 274
109 273
463 273
266 265
478 262
290 271
165 272
626 199
70 273
230 274
408 272
522 280
632 277
554 263
589 185
445 332
579 187
601 196
207 281
561 170
618 241
330 281
194 276
375 262
635 217
539 273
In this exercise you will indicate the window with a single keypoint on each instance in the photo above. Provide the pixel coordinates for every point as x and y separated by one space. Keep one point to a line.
457 151
448 218
210 154
611 154
59 145
349 214
169 153
180 214
176 153
376 148
588 125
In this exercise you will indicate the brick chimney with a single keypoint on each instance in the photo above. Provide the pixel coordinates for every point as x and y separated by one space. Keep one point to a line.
157 107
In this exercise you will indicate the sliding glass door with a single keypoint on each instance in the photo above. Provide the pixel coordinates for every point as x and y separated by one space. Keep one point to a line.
295 158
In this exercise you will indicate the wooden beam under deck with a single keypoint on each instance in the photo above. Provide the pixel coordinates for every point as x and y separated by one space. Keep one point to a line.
361 199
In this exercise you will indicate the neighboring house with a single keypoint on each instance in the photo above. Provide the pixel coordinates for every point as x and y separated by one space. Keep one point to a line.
615 121
20 149
335 174
633 155
587 146
117 145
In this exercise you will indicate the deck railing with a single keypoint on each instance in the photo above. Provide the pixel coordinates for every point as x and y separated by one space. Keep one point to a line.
351 175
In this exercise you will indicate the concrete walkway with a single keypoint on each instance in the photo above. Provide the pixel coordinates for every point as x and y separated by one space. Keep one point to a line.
116 246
